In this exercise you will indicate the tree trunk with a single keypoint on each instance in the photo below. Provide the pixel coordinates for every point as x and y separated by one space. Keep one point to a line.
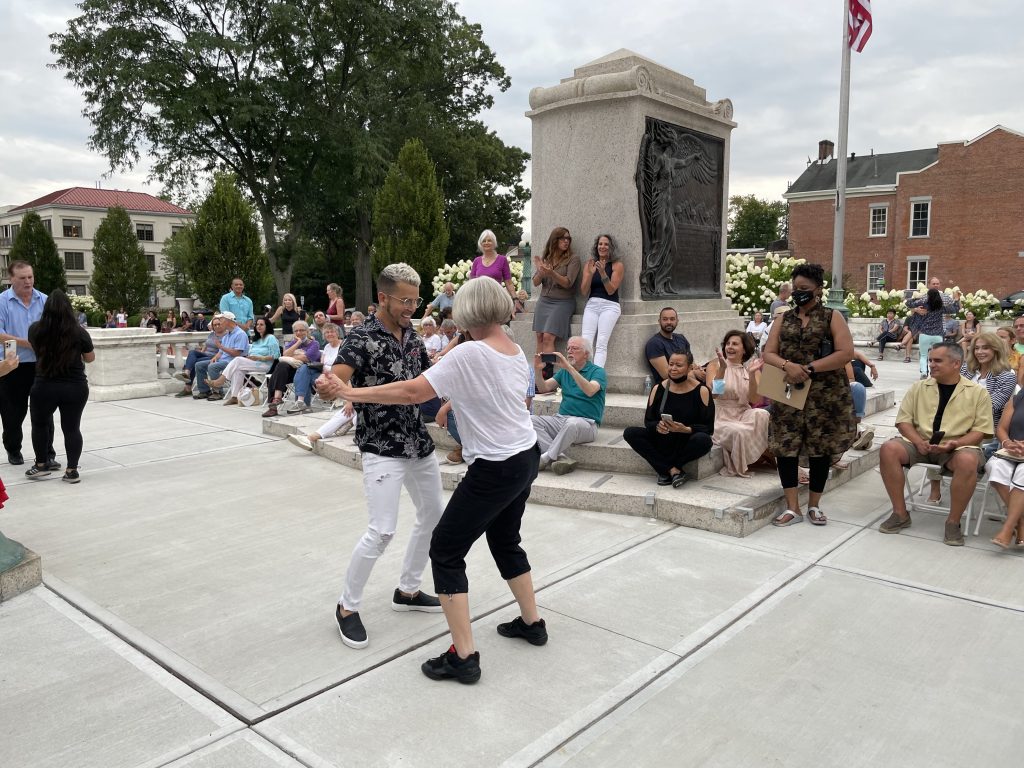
364 278
276 253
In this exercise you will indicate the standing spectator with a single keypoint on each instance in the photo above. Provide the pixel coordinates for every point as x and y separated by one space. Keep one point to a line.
889 330
812 345
20 306
335 305
485 378
122 318
287 314
396 449
444 300
668 444
602 276
932 308
63 348
958 413
239 305
555 271
262 353
492 264
664 344
740 428
782 302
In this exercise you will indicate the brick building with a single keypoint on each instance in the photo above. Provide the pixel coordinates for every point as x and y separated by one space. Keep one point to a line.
72 216
955 211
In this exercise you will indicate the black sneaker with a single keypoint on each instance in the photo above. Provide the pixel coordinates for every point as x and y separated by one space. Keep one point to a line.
53 465
664 480
36 472
678 481
534 634
71 476
353 634
418 602
448 666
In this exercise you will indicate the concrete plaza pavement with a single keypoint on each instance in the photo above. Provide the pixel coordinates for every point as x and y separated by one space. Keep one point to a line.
186 620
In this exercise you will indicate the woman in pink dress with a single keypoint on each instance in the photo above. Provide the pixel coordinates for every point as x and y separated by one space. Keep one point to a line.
740 429
492 264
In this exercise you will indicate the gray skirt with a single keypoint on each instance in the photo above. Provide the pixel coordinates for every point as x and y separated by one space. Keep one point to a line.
554 316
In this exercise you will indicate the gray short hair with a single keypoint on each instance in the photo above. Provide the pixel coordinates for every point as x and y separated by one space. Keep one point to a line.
480 240
428 321
393 274
448 325
954 349
357 314
481 302
329 327
300 324
588 345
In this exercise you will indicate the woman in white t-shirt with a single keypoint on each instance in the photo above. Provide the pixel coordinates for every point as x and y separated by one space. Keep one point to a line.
757 327
432 340
485 380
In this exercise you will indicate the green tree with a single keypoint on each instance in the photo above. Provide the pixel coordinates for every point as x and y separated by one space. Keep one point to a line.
408 214
224 244
176 262
755 223
120 275
304 101
36 246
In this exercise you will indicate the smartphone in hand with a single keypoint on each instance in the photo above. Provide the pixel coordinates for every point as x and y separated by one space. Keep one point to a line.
548 357
10 348
667 417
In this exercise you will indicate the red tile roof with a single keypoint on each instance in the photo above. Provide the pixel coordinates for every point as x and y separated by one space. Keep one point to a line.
86 197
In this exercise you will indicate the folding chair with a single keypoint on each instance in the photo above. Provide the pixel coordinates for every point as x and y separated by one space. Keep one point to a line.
916 504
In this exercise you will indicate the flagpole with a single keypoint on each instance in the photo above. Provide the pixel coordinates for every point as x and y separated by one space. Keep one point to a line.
836 292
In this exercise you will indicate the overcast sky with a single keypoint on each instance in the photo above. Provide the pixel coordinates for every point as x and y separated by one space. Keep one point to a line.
932 72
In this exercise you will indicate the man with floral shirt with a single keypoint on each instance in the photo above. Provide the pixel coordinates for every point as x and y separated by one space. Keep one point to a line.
396 449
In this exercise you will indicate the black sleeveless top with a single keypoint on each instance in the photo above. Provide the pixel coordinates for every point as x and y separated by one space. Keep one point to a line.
597 289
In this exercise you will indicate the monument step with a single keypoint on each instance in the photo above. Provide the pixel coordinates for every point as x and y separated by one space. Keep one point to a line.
728 505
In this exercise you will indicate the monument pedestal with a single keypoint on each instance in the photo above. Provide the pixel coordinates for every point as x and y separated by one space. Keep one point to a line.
20 569
629 148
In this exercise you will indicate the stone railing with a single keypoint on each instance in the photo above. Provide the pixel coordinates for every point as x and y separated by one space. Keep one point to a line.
134 362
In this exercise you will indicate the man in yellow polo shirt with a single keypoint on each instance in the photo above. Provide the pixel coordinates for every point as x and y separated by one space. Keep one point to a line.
962 411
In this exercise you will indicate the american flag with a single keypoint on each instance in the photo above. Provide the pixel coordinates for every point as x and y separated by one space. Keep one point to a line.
859 24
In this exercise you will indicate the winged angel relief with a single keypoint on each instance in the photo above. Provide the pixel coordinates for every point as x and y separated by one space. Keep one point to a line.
669 161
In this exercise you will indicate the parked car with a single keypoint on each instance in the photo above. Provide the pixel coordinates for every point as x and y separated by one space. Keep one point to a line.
1013 301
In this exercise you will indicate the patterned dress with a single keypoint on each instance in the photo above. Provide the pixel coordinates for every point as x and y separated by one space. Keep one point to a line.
826 425
742 431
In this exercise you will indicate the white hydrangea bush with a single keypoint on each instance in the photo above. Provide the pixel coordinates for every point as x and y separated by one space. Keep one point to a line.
752 287
84 303
458 273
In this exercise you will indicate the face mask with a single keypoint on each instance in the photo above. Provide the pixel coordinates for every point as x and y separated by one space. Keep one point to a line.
674 380
803 297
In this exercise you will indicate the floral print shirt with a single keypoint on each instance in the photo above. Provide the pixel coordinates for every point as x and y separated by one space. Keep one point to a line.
377 357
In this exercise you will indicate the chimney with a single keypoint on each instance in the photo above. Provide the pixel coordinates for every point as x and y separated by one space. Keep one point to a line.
825 149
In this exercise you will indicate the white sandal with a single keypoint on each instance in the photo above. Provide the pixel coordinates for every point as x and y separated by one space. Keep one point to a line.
816 516
795 518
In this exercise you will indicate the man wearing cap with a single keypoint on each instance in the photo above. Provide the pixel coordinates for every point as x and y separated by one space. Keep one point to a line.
239 305
231 344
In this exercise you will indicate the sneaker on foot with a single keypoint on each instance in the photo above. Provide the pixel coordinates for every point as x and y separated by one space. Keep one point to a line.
36 472
534 634
563 466
545 463
664 480
953 536
448 666
184 393
214 396
302 441
200 395
863 441
678 481
299 407
894 524
353 634
181 375
271 411
421 601
71 476
53 465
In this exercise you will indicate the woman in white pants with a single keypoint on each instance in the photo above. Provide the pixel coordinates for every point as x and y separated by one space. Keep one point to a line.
602 276
263 351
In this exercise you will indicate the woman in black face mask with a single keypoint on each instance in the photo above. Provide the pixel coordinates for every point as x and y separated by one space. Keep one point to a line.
685 435
812 345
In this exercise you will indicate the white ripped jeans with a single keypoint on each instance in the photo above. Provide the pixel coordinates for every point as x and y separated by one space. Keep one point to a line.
383 478
599 318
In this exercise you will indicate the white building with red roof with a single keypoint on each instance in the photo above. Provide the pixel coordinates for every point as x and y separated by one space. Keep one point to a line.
72 216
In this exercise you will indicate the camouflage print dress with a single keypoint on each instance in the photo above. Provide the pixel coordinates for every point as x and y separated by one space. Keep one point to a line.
826 425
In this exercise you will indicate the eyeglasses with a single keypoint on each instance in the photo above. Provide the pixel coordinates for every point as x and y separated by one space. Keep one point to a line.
407 303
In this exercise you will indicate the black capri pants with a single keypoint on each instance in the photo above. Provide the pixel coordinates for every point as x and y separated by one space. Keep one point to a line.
490 500
68 397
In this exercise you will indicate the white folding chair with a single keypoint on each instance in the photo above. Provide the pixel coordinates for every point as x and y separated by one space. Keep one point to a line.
915 502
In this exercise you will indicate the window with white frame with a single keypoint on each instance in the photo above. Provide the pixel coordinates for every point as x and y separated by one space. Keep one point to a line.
74 260
71 227
920 217
876 277
144 232
879 220
917 272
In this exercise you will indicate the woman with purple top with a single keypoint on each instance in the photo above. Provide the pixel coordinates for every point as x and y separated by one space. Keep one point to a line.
492 264
304 350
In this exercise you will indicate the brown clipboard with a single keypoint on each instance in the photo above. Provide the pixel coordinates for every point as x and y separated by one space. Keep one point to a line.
773 386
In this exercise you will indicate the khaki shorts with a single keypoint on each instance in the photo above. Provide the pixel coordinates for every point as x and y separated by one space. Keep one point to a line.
913 457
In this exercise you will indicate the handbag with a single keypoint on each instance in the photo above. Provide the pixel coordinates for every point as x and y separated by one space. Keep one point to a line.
774 386
250 396
1007 456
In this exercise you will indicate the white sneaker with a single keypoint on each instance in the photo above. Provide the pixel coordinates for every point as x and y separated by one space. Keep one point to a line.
299 407
300 440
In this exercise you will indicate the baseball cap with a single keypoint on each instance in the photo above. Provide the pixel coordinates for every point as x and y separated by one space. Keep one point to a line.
228 316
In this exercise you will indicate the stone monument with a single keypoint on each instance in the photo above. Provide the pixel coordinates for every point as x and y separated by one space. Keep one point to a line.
630 148
20 568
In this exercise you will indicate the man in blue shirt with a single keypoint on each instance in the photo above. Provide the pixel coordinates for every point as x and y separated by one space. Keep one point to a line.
239 305
661 345
232 343
444 300
20 306
583 391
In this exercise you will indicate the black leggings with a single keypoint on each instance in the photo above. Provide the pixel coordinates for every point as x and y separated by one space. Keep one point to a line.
490 500
663 452
69 397
789 471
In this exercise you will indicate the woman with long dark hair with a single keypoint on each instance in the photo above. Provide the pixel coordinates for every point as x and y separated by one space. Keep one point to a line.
930 308
62 348
555 273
